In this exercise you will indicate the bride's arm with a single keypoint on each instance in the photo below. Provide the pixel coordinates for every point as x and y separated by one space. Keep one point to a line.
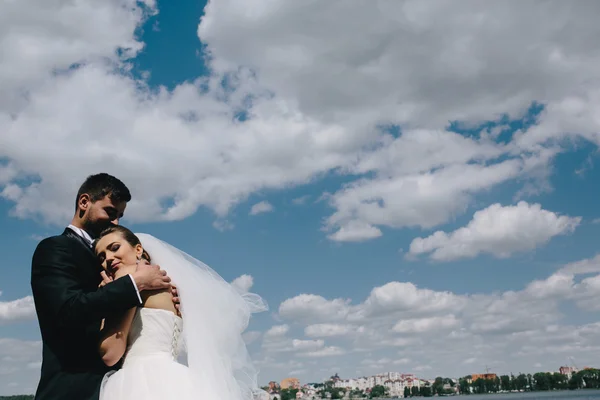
113 337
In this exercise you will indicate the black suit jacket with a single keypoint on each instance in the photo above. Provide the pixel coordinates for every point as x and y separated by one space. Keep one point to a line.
70 307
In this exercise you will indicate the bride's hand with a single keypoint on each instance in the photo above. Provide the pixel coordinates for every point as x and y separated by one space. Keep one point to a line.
105 279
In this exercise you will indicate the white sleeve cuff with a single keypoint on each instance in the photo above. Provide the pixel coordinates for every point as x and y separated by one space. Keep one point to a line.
136 288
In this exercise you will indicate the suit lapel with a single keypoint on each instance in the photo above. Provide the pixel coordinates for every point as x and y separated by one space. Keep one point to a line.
93 270
68 232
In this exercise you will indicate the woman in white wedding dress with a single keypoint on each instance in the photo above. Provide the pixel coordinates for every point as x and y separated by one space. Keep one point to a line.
213 317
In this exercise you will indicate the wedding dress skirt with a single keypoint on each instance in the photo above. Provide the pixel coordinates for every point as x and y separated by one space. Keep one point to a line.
150 370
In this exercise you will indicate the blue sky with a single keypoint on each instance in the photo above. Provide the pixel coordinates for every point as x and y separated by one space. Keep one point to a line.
495 149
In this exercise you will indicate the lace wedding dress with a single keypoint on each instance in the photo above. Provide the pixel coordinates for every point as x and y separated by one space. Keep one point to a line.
150 370
215 315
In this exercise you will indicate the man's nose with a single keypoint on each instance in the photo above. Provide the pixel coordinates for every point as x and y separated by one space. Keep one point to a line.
115 221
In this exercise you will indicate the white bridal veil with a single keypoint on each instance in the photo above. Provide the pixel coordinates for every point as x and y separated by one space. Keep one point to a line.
215 314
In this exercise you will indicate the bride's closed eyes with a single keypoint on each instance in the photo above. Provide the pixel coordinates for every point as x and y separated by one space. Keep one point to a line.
102 255
114 252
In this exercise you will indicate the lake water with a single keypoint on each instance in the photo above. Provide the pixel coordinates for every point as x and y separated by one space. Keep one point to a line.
568 395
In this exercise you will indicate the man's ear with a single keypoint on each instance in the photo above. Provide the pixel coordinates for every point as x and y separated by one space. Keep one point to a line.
83 204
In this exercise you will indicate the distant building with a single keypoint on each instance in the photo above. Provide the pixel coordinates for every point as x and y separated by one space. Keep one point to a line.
474 377
290 383
567 371
273 387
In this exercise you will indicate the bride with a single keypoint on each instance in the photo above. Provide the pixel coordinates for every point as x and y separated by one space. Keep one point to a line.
213 316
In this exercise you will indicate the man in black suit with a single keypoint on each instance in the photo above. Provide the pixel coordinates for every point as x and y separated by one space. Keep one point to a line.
70 305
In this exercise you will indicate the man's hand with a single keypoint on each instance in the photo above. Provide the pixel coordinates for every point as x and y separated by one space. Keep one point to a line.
176 299
150 277
105 279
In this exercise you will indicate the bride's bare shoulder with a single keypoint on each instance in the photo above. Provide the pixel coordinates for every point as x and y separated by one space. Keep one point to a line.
161 299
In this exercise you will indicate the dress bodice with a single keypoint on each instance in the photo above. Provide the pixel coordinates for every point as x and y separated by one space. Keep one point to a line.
154 332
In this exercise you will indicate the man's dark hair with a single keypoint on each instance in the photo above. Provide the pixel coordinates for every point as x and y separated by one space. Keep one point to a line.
100 185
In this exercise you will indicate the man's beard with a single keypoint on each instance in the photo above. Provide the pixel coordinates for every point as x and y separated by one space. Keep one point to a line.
95 228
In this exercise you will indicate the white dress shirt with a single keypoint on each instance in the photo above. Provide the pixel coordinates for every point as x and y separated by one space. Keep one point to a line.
88 239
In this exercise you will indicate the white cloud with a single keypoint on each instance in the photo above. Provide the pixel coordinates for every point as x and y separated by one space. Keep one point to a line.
355 231
313 110
17 310
243 283
497 230
329 351
422 368
223 225
414 62
301 200
262 207
586 266
327 330
277 331
421 325
425 198
314 307
307 345
379 76
406 297
53 36
19 366
251 336
430 328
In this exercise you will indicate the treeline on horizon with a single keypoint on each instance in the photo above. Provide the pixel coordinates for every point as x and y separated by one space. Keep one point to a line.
18 397
540 381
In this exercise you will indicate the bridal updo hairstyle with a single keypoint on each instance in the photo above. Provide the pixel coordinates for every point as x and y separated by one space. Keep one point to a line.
129 237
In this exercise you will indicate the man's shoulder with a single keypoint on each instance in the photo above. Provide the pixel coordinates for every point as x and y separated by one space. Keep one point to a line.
56 241
62 238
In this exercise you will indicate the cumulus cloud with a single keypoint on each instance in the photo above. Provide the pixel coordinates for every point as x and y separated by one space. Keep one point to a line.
433 326
300 200
324 352
381 72
380 77
327 330
419 325
314 307
19 369
260 208
307 345
17 310
498 230
243 283
251 336
320 103
407 297
277 331
355 231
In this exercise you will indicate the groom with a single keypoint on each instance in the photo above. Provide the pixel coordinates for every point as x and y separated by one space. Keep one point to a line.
65 278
